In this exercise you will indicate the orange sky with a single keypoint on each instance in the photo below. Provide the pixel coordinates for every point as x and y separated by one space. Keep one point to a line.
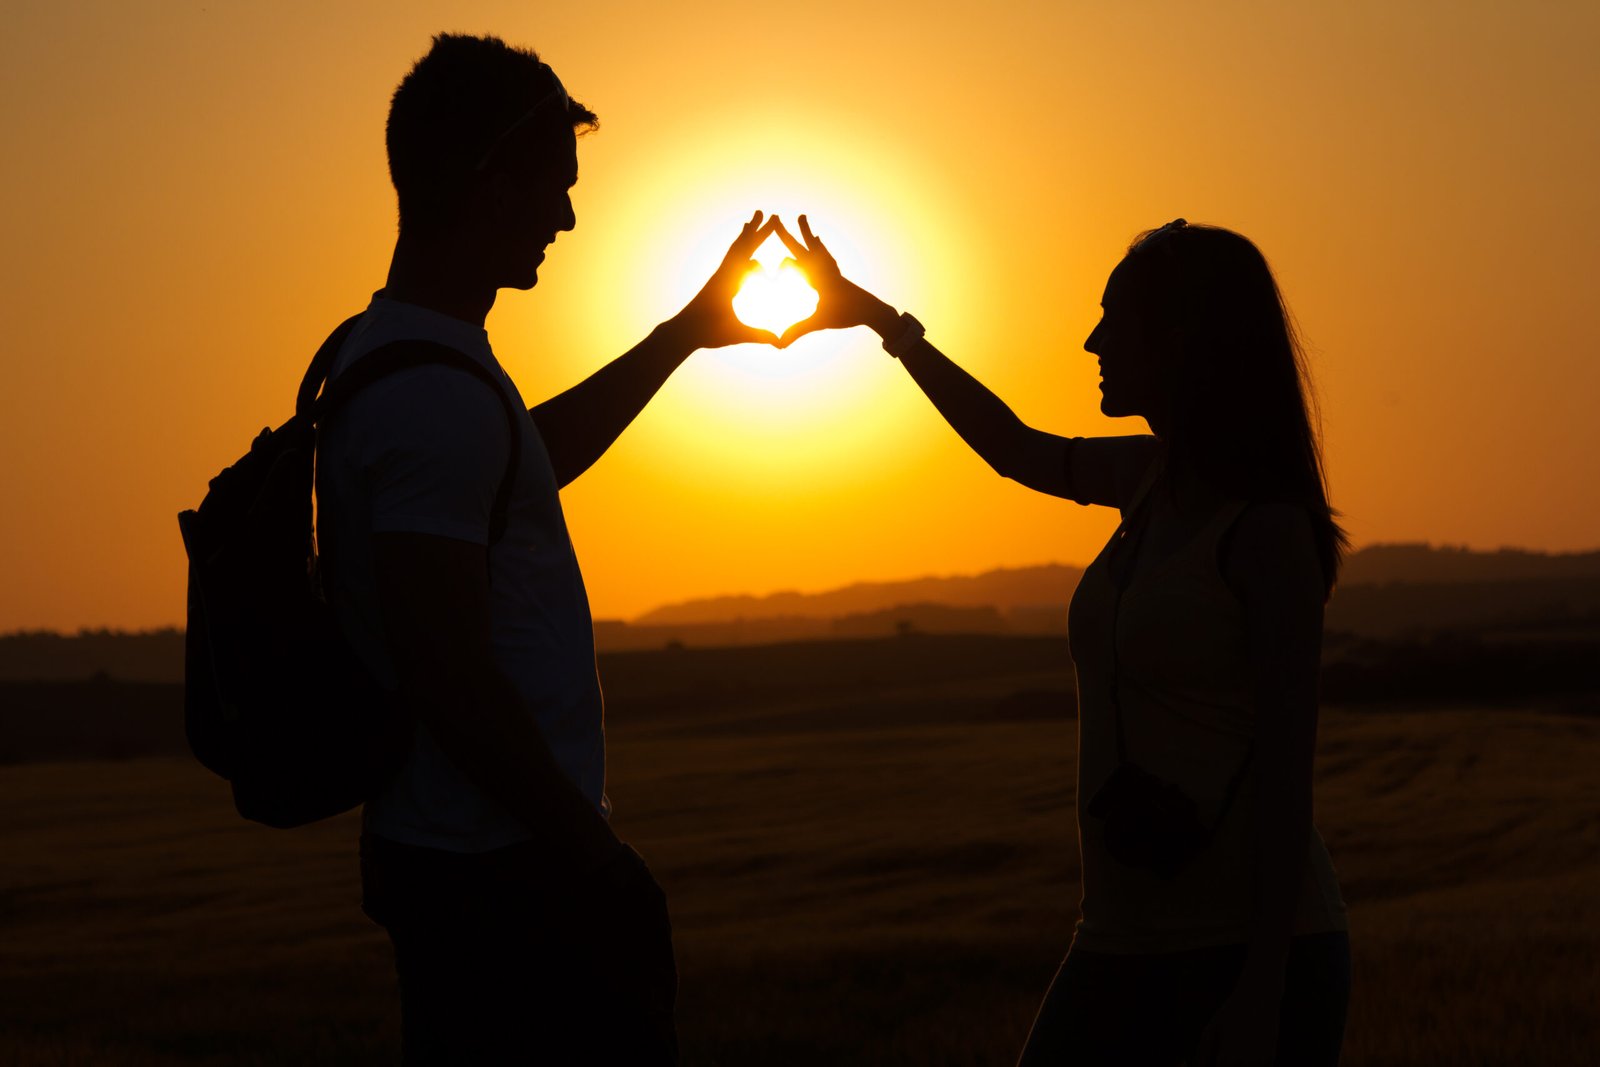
194 195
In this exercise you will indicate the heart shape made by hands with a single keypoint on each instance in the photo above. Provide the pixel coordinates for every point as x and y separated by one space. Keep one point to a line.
776 295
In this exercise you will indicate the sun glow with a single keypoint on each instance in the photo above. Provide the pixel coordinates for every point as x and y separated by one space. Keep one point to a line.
776 295
777 426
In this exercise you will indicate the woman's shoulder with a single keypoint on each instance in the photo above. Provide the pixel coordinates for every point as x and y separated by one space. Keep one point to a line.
1271 542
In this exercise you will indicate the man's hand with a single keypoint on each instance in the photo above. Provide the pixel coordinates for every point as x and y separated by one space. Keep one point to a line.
708 320
840 302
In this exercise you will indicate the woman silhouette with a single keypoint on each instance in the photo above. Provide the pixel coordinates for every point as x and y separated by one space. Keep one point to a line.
1211 929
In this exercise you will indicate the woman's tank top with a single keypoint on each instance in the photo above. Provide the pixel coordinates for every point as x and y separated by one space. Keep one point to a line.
1183 686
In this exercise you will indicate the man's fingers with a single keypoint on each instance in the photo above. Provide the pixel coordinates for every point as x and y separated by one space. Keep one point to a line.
805 231
750 235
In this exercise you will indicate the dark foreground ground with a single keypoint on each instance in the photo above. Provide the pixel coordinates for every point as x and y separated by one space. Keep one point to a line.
870 856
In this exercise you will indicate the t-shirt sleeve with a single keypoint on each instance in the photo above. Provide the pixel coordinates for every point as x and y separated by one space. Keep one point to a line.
434 450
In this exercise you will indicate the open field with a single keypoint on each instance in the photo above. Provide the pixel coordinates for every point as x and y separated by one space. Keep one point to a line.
870 857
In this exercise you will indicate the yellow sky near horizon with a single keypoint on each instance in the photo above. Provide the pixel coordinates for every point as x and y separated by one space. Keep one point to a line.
193 195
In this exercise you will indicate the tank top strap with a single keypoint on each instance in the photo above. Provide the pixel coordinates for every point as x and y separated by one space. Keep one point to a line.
1202 550
1222 522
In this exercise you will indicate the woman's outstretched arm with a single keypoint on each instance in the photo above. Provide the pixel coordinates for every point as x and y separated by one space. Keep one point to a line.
1015 450
1102 470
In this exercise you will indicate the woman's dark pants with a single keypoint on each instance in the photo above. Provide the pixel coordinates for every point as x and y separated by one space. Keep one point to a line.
1152 1009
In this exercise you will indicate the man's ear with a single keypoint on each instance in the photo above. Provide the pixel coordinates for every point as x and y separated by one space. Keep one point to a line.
484 203
1176 342
494 192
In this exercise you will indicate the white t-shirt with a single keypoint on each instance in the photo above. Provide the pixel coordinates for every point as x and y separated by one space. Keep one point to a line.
423 451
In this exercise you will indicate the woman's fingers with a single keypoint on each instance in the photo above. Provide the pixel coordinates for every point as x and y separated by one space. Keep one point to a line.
817 249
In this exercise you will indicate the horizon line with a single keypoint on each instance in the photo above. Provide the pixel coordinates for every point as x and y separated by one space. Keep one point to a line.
178 627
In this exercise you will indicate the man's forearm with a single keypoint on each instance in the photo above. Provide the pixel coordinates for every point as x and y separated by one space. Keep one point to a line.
580 424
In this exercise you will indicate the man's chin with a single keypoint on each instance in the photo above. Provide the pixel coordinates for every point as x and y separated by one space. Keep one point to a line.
523 275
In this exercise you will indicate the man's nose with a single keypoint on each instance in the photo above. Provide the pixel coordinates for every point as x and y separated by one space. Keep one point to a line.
1092 342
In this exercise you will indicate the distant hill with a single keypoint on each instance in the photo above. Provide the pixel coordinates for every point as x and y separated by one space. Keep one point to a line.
1018 589
1005 590
1426 563
1413 589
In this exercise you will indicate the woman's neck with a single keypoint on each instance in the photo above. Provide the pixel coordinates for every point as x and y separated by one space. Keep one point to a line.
1185 489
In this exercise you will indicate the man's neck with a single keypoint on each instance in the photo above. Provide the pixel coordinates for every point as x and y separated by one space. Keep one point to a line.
436 275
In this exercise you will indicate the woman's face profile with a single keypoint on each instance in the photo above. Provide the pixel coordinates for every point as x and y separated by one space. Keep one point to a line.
1131 377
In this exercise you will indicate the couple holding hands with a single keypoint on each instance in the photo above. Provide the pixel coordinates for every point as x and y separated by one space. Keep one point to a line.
1212 929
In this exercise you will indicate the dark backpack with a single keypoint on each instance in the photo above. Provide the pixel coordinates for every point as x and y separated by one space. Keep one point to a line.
275 699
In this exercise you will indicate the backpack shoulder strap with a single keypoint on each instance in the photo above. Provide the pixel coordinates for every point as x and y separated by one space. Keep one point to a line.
322 363
398 356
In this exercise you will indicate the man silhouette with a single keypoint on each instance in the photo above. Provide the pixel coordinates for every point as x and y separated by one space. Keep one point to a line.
523 930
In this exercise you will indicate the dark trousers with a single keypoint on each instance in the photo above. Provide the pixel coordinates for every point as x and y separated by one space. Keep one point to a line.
501 962
1152 1009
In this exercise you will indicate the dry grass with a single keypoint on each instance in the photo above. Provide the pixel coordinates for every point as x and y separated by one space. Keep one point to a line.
847 888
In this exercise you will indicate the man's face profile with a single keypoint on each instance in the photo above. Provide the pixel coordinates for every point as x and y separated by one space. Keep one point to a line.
532 205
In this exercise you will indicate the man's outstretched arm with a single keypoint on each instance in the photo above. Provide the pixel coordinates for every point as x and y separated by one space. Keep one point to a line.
580 424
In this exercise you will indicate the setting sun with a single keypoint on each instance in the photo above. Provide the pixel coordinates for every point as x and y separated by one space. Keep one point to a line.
774 297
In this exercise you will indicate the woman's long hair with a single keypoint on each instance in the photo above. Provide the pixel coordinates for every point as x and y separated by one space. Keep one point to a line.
1243 417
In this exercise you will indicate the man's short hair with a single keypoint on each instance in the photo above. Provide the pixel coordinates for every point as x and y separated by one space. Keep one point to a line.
452 111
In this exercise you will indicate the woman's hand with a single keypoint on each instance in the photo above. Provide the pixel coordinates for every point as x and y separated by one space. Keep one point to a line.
1244 1032
840 302
708 320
